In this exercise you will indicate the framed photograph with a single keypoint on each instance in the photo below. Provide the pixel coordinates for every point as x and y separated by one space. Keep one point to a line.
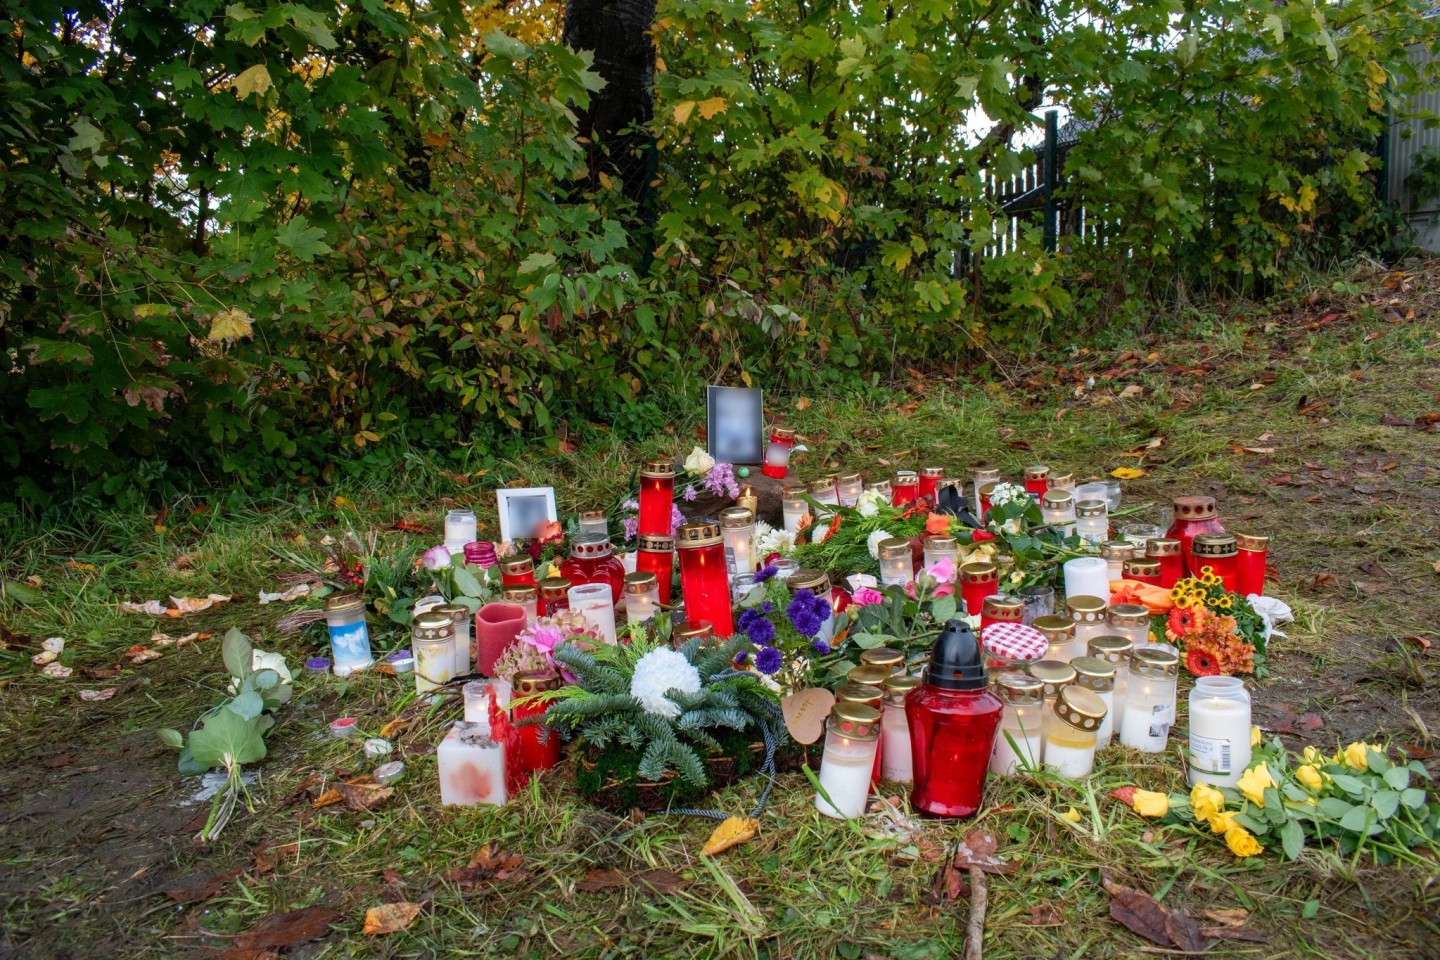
735 428
523 509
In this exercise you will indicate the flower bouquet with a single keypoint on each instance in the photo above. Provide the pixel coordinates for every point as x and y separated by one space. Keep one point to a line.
907 619
1218 632
660 727
785 632
534 648
1357 801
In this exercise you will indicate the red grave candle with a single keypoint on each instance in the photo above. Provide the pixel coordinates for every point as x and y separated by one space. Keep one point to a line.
1166 551
554 596
1219 552
1037 480
536 747
1000 609
953 718
1250 563
657 555
983 492
592 560
905 488
517 571
704 581
930 478
777 453
978 581
1143 570
1193 515
657 497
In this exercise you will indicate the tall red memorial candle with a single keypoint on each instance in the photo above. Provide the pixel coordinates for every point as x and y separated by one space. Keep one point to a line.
1193 516
1167 552
1250 563
1219 552
657 555
978 581
930 478
777 453
905 488
953 718
704 581
537 747
657 497
554 595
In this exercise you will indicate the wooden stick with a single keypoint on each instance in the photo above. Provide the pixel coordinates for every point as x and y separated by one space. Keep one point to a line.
975 930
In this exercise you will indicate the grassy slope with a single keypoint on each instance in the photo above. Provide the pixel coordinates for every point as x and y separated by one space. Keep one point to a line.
95 835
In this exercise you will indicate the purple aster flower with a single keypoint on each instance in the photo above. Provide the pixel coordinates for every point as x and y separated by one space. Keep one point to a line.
631 526
747 617
821 647
806 623
689 493
768 661
761 632
632 505
742 658
767 607
765 573
676 518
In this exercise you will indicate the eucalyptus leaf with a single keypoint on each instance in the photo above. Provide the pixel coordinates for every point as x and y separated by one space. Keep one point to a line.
226 738
869 641
237 652
264 679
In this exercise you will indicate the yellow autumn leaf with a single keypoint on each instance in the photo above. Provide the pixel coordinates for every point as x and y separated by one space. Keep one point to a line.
231 324
713 106
683 109
254 80
390 918
1127 473
733 831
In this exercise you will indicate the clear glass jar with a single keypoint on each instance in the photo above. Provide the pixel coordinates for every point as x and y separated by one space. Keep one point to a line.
793 512
461 528
1057 508
477 698
785 568
1115 553
896 566
1092 521
1150 700
1060 634
740 585
852 735
1132 621
823 492
737 528
1039 601
1070 738
1020 744
593 522
895 763
1141 534
460 616
1115 650
642 596
849 487
349 634
1219 731
942 548
881 488
432 640
1062 481
1098 676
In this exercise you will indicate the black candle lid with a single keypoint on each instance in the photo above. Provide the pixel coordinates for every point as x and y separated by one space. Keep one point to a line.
956 663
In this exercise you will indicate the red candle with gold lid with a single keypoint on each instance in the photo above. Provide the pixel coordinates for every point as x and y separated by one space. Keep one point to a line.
1193 516
1166 551
536 747
704 580
1219 552
656 555
592 560
930 478
978 581
517 571
657 497
904 488
998 608
1037 479
554 595
1250 563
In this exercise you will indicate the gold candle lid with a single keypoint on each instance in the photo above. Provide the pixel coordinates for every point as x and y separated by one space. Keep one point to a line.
895 548
1128 615
1142 568
942 544
1112 648
534 681
697 533
881 487
654 544
591 516
517 566
658 468
998 606
1061 479
985 475
848 479
980 572
1056 498
855 721
792 490
1037 472
1117 550
987 488
1094 673
519 593
1083 609
933 473
454 611
344 601
1056 629
591 546
808 578
735 518
1091 508
897 687
1080 708
871 675
860 693
641 581
1252 541
822 486
1214 545
1019 688
1194 508
1162 547
906 478
553 588
1053 673
432 625
691 629
782 433
888 657
1154 662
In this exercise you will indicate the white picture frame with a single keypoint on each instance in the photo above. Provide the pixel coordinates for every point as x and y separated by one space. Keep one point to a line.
523 509
735 424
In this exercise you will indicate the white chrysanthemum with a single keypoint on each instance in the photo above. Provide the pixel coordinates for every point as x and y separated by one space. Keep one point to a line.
869 503
770 540
872 542
1006 493
659 672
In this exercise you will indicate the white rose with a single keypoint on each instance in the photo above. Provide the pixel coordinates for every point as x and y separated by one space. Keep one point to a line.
868 504
872 542
1011 526
699 461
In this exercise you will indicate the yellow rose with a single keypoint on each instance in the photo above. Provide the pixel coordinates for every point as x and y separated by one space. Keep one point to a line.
552 571
1206 801
1255 738
1253 783
1310 777
1072 815
1222 821
1147 803
1312 756
1241 842
1356 756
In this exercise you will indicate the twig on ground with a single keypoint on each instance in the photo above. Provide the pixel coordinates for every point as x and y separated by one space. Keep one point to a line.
975 930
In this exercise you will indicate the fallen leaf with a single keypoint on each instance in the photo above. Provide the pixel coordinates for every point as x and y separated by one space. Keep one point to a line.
153 607
60 760
390 918
139 654
731 832
92 696
1229 917
949 884
1427 419
604 879
1326 580
363 796
57 671
280 930
978 850
100 673
1247 934
660 881
802 403
488 864
1419 641
202 886
1044 914
1139 912
326 799
1185 932
1125 795
1259 451
1127 473
184 605
285 596
1309 721
1392 420
411 526
269 854
1134 390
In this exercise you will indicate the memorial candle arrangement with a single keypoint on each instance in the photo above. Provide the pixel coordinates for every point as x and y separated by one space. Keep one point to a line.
1193 516
777 453
849 486
1167 552
704 582
1219 552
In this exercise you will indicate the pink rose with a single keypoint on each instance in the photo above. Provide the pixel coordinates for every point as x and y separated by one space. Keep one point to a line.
942 570
866 596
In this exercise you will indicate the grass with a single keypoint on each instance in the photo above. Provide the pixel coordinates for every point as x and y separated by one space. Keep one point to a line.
96 833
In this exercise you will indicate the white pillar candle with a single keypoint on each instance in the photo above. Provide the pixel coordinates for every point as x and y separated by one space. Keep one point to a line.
471 766
1219 731
593 602
1087 577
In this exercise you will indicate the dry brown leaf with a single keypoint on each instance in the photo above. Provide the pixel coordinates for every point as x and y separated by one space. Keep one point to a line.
1044 914
92 696
488 864
731 832
1227 932
328 798
1259 451
803 403
280 930
978 850
363 796
1134 390
949 884
660 881
202 886
269 854
390 918
1138 912
604 879
1185 932
1230 917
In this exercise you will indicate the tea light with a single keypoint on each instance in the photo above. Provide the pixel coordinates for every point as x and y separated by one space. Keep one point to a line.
1092 520
737 526
593 522
1057 508
593 602
345 727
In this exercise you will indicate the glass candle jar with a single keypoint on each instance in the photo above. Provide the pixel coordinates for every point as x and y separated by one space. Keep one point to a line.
642 596
1115 650
657 497
823 492
1055 676
1062 481
1131 621
1140 534
942 548
737 528
1098 676
1219 731
554 595
777 452
905 488
349 634
1115 553
953 720
895 761
999 608
1143 570
888 657
1220 553
1150 700
1011 646
460 616
1250 563
1193 516
818 583
593 602
1092 521
536 746
978 581
1071 738
1039 601
1057 508
480 553
1167 552
432 640
1059 633
930 479
593 522
849 487
881 488
592 560
984 477
683 633
657 555
476 695
461 528
785 568
1088 615
983 497
793 512
896 565
523 595
1088 577
740 585
1037 480
517 571
852 735
1019 743
703 577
